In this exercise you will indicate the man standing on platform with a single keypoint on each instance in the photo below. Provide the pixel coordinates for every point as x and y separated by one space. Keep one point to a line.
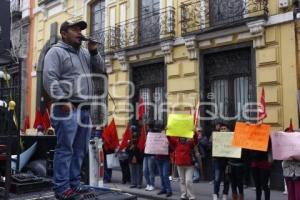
68 81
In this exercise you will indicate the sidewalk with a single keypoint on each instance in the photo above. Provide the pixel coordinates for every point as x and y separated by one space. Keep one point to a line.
203 190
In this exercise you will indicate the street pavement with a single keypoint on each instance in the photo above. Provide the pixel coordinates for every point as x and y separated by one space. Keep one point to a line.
202 190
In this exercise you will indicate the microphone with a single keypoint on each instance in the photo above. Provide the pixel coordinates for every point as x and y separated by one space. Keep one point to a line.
89 39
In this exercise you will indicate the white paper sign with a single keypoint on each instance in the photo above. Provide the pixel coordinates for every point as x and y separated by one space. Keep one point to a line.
157 143
112 161
286 146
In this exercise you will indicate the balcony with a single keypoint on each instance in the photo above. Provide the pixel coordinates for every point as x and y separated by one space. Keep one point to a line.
15 10
106 40
207 15
145 30
40 2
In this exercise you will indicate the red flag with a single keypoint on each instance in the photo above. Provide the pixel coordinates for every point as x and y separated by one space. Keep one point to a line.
126 137
141 109
26 123
291 129
110 136
262 114
46 119
38 119
142 139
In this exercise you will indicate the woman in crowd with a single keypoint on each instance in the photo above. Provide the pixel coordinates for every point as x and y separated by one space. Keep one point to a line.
124 164
221 171
261 171
184 149
149 166
237 172
163 163
135 157
291 173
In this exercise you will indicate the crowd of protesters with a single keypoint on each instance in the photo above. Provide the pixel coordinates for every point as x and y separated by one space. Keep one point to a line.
184 164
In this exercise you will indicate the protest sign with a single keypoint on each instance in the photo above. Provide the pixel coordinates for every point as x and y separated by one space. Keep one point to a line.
222 145
157 143
251 136
112 161
285 146
180 125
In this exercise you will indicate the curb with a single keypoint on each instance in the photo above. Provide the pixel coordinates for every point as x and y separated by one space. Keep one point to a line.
155 197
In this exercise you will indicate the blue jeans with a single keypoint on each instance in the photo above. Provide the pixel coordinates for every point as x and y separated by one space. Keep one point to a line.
220 173
164 169
107 171
71 147
136 172
148 169
196 174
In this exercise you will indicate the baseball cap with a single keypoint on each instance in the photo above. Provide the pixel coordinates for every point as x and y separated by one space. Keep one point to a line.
69 23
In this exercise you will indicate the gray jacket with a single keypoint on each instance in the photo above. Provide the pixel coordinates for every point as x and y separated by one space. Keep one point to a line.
67 73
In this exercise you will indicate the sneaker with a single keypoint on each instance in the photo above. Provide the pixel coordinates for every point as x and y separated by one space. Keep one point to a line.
224 197
81 189
68 194
170 178
169 194
133 186
284 192
151 188
215 197
147 188
184 197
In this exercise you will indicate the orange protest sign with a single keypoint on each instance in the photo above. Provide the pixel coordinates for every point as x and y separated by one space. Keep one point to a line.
251 136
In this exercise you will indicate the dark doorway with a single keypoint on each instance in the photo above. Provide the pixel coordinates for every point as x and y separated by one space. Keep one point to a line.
150 84
228 84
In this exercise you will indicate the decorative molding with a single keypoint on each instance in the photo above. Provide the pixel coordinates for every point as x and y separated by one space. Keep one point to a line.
192 47
205 43
167 49
108 64
257 30
46 7
280 18
123 59
222 40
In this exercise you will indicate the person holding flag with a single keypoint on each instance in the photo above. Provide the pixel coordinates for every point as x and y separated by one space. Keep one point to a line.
110 144
260 161
135 157
123 155
184 148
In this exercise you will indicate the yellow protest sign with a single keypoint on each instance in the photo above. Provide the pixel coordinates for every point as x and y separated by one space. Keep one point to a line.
222 145
180 125
251 136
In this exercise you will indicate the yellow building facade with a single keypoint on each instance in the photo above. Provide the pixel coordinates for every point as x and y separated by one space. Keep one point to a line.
266 29
175 53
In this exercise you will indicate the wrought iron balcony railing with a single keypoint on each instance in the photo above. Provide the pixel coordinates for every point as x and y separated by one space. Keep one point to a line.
40 2
204 15
137 32
14 6
141 31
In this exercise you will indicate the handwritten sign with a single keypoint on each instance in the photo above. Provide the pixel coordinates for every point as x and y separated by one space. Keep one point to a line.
285 146
180 125
251 136
157 143
222 145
